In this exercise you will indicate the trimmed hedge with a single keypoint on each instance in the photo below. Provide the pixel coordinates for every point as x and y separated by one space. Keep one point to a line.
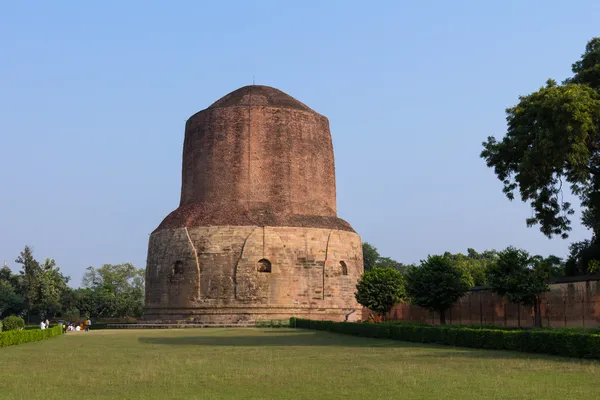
553 342
10 338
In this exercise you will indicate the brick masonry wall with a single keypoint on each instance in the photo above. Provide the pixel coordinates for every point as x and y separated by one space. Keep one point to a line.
212 273
567 304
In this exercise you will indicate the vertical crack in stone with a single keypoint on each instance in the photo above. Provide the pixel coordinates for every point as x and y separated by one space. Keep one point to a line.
235 267
197 264
325 262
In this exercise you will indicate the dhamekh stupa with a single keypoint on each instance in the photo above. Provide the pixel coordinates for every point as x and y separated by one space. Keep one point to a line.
256 235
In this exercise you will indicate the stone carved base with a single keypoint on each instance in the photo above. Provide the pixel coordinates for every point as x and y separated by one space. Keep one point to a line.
231 274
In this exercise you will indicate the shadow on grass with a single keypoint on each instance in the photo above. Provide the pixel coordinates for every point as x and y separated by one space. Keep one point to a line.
279 338
299 338
463 352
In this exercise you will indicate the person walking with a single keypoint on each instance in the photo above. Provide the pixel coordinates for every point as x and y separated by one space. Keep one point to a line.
88 322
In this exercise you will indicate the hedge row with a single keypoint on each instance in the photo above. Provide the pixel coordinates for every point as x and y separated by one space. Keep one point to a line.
24 336
562 343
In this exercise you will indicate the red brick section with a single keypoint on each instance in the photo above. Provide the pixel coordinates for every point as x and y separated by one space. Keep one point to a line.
257 157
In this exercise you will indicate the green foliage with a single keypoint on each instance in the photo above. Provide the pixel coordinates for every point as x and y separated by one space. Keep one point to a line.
437 283
11 302
513 276
372 259
42 285
568 344
379 289
551 267
111 291
12 323
25 336
593 266
272 323
553 139
474 263
72 314
370 256
580 256
387 262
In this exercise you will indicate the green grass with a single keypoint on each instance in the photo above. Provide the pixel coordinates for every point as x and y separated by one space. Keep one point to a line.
279 364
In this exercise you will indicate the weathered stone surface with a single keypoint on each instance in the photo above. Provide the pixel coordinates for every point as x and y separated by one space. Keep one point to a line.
256 235
221 278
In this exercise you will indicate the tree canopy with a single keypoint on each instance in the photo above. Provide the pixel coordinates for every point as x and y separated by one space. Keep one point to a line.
379 289
437 283
514 276
372 259
40 290
553 141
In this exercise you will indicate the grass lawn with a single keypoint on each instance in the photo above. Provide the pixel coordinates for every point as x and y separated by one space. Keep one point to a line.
279 364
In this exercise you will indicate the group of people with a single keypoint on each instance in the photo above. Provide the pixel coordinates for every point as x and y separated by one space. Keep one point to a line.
44 324
69 326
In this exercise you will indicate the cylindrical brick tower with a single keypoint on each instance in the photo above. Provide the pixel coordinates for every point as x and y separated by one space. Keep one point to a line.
256 235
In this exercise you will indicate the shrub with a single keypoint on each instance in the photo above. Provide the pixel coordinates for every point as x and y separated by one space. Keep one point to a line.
0 326
554 342
21 336
13 323
273 323
379 289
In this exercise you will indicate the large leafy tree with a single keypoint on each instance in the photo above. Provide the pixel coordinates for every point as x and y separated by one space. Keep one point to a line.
379 289
11 302
437 283
370 256
550 267
113 290
42 285
514 276
474 263
553 141
372 259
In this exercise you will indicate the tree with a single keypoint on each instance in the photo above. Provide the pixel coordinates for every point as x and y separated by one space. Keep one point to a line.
553 139
370 256
11 302
474 263
387 262
582 256
113 290
550 267
42 285
372 259
379 289
437 284
30 272
513 276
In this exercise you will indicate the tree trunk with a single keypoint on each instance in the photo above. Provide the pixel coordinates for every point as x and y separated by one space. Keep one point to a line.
537 314
442 317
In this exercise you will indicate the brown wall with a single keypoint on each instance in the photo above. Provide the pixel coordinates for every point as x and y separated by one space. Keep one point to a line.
220 279
571 304
266 158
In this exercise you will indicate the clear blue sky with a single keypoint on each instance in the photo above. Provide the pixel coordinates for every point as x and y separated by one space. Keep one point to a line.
94 97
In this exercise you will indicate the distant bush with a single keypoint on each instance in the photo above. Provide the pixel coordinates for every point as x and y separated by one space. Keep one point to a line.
13 337
272 323
13 323
546 341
